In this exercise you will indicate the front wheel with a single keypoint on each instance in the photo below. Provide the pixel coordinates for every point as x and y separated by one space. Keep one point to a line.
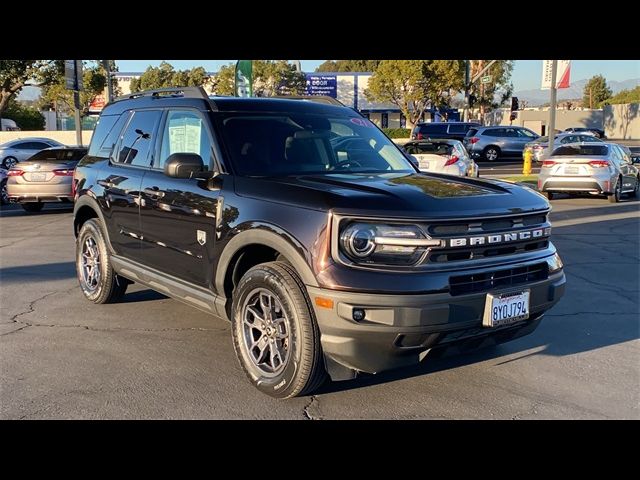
4 196
636 190
275 334
9 162
98 281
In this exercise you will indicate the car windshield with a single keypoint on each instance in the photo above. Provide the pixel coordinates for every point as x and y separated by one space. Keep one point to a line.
570 150
277 144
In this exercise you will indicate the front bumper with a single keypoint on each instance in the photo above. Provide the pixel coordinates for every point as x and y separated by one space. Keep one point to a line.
399 329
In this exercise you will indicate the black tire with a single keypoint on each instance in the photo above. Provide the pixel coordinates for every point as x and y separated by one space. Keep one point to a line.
32 207
636 190
302 371
549 195
4 197
617 192
9 162
491 153
109 287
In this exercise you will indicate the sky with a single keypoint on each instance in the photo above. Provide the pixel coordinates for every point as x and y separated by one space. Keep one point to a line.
526 73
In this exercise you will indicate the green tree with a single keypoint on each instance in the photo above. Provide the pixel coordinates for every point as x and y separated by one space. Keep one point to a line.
223 82
413 85
624 96
164 75
270 78
14 75
595 92
497 92
55 93
348 66
26 117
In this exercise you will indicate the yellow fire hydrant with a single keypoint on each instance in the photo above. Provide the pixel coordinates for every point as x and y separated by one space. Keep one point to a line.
528 155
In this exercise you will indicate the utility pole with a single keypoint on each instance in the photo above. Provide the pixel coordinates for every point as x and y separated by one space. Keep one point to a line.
467 86
552 107
107 70
76 104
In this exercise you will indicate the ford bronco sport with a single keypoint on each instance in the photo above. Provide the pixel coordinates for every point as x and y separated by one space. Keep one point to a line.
307 228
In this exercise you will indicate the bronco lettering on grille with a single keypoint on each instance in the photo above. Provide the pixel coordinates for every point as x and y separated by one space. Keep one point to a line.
498 238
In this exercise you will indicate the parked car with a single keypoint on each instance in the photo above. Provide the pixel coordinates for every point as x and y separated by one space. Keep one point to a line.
19 150
491 143
596 132
45 177
328 257
540 147
3 187
454 130
442 156
596 168
8 125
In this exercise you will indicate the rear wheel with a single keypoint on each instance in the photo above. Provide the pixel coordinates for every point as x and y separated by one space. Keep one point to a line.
491 153
9 162
4 197
32 207
275 334
98 281
617 191
636 190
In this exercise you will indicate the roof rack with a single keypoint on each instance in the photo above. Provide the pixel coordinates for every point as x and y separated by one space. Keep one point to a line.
313 98
187 92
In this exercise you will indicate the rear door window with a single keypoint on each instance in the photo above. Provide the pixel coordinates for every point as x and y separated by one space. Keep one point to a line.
433 129
494 132
137 138
458 128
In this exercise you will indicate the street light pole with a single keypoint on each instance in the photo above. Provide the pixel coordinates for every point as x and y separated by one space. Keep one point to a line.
552 105
107 69
467 86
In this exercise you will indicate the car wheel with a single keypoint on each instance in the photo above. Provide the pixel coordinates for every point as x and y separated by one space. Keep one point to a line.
615 196
636 190
32 207
9 162
98 281
4 196
275 334
549 195
491 153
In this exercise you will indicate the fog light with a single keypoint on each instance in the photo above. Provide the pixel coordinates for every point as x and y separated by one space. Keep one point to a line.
358 314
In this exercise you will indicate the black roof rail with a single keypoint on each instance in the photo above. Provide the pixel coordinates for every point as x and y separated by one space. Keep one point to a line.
314 98
187 92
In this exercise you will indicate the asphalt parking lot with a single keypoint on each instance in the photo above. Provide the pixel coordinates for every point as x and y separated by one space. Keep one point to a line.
153 357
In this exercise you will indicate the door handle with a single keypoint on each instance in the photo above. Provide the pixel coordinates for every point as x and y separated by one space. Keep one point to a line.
155 192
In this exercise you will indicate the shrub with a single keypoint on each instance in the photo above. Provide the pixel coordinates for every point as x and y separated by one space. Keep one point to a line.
397 132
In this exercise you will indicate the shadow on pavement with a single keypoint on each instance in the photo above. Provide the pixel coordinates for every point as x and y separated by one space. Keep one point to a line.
14 210
38 273
142 296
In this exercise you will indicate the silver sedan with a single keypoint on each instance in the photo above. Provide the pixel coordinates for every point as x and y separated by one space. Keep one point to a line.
19 150
540 146
598 168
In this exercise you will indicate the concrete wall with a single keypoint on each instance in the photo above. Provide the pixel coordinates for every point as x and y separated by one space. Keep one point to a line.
536 119
622 121
68 137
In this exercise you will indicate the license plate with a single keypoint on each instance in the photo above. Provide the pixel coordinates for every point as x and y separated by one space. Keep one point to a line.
505 308
38 177
571 170
424 165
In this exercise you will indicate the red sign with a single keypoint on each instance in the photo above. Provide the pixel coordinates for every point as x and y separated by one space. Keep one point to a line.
97 104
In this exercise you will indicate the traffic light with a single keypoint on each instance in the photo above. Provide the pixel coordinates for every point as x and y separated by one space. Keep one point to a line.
514 104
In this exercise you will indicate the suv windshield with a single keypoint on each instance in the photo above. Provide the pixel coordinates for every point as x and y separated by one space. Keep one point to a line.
276 144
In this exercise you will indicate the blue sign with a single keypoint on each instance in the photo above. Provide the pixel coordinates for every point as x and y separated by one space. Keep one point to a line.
322 85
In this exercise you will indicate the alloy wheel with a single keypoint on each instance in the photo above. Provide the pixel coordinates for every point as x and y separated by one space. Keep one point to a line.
266 332
90 264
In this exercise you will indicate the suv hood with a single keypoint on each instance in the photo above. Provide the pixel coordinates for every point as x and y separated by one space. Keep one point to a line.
421 195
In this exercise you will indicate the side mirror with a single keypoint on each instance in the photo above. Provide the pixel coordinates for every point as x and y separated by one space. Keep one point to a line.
183 165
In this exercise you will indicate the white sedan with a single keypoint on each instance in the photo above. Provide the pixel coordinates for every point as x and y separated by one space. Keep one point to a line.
442 156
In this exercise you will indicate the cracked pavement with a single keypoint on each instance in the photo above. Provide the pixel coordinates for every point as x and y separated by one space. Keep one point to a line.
153 357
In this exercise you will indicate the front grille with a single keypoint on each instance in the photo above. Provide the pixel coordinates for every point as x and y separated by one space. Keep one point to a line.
486 226
485 251
483 282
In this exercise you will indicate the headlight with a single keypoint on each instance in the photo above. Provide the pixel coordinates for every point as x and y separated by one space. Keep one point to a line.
555 263
384 244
